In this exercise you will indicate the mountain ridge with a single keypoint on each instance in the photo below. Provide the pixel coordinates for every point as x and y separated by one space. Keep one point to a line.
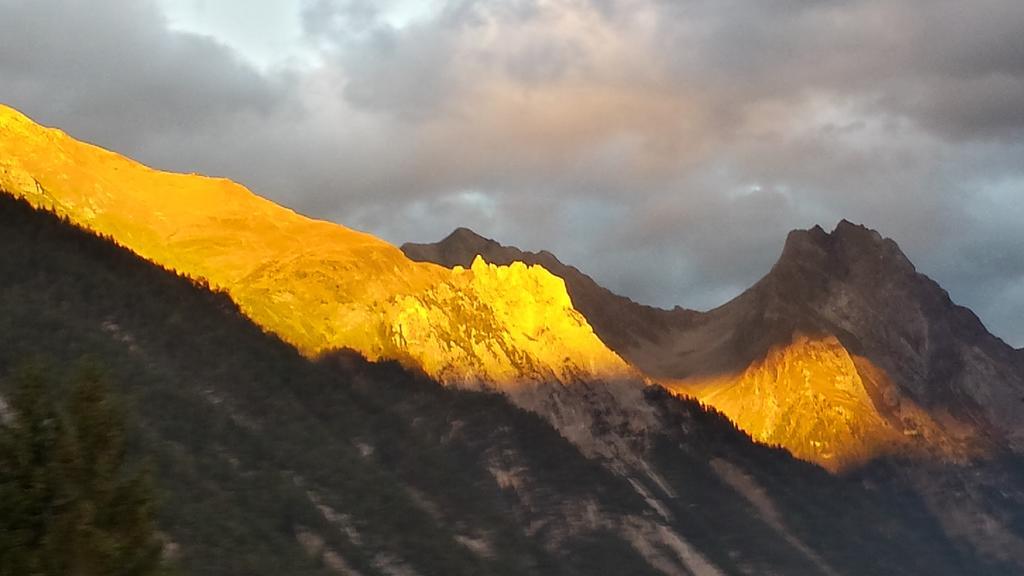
244 430
317 284
601 306
918 360
322 287
279 465
679 486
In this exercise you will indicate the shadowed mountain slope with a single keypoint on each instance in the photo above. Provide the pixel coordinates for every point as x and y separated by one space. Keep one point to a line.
859 288
842 352
274 464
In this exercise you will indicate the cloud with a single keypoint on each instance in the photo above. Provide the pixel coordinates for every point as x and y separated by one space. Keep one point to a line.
664 147
103 66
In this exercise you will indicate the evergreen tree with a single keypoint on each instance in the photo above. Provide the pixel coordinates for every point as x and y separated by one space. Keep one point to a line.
69 504
31 441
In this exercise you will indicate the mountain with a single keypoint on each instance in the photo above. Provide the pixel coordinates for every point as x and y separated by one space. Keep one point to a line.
323 287
621 323
320 286
846 356
328 406
273 463
931 369
841 353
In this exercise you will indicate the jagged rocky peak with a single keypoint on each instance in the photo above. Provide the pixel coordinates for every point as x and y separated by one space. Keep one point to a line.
621 323
860 285
848 248
463 244
860 281
851 254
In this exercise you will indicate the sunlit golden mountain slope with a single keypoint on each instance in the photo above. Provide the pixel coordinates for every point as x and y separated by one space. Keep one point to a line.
844 352
841 354
317 284
823 404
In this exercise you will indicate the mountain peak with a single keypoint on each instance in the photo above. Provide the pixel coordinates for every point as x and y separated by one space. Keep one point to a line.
861 237
463 234
459 249
844 231
802 244
845 226
849 249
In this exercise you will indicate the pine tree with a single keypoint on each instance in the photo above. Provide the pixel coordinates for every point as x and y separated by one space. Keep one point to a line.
31 441
70 504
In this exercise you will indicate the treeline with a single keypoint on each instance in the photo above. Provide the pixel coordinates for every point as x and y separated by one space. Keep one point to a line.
70 503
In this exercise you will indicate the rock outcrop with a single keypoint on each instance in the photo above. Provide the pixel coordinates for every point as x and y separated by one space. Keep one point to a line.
621 323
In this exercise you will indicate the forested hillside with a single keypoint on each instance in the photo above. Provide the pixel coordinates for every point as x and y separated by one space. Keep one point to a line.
269 463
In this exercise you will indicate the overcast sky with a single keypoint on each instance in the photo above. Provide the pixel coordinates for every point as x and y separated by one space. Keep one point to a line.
663 146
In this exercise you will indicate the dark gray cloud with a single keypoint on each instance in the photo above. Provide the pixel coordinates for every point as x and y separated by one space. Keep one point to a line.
666 147
100 67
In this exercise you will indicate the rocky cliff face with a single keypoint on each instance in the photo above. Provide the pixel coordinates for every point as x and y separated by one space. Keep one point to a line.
848 357
620 322
937 382
842 353
318 285
826 405
859 286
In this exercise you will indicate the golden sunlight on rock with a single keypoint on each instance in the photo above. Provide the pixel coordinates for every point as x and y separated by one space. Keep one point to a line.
318 285
822 403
